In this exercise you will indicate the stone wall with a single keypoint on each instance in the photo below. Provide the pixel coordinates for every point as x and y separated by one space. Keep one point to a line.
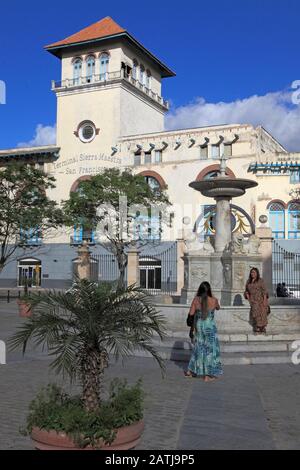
229 320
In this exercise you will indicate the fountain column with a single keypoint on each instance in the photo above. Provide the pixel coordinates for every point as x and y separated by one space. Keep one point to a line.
223 223
226 269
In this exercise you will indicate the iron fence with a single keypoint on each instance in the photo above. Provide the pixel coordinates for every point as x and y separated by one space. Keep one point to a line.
104 268
286 272
158 268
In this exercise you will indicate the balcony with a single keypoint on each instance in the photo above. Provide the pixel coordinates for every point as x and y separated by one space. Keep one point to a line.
30 237
80 235
105 78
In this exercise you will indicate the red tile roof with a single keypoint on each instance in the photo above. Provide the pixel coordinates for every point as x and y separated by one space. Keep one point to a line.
105 27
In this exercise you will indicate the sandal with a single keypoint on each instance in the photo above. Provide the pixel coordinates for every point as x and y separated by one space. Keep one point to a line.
188 374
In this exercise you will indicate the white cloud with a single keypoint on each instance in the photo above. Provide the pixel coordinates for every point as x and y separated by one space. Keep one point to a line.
274 111
44 135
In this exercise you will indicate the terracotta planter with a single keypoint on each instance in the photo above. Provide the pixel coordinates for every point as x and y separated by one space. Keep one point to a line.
24 309
127 438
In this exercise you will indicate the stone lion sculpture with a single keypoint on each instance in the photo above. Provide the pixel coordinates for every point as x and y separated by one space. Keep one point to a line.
253 245
192 242
237 244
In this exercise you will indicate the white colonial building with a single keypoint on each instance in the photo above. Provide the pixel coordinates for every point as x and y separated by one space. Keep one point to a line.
110 112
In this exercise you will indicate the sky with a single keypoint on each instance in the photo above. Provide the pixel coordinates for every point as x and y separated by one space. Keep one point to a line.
235 61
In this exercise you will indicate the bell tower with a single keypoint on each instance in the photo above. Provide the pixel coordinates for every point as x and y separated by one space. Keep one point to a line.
110 87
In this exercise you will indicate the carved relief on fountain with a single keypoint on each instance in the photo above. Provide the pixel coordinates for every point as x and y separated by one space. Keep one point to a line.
239 245
239 279
227 272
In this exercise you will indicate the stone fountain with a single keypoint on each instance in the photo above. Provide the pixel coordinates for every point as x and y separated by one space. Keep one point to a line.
226 265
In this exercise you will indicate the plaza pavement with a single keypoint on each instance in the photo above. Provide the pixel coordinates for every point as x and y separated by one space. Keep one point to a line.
250 407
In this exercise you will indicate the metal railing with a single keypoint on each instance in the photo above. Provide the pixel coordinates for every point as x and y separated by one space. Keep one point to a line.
9 294
286 269
79 240
105 78
104 268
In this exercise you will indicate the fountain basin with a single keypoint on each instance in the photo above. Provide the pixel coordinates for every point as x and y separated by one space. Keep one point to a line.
220 187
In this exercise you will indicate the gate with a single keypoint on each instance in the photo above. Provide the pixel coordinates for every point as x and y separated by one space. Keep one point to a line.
158 270
286 270
104 268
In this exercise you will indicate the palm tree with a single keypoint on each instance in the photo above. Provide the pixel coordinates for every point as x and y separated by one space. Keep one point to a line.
83 326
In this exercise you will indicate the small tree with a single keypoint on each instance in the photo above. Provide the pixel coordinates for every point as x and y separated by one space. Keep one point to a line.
83 326
25 210
116 223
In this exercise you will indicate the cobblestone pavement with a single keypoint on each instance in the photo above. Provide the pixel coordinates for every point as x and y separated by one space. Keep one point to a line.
250 407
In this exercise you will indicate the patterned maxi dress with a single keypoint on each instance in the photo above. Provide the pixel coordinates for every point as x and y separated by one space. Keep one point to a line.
258 309
205 359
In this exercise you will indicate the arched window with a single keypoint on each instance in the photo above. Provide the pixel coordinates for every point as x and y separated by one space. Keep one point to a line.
77 71
149 227
104 63
148 79
90 68
153 183
211 174
135 70
294 219
154 178
212 171
241 222
142 75
277 219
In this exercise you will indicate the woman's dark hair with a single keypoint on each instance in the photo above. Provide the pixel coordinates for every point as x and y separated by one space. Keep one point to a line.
257 273
204 292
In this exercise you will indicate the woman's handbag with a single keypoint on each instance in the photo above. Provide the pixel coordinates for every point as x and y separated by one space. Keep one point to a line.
190 320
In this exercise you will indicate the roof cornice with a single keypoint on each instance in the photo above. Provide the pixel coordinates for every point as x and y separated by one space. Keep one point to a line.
58 50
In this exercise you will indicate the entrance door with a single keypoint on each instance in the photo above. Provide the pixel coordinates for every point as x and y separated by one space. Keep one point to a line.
29 271
150 274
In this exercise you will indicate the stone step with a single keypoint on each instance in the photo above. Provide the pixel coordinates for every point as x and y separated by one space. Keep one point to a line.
241 358
273 349
228 347
240 337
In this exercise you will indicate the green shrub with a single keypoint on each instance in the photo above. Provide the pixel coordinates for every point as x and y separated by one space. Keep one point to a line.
53 409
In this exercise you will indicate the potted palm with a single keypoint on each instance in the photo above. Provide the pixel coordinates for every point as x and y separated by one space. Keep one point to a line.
24 305
82 328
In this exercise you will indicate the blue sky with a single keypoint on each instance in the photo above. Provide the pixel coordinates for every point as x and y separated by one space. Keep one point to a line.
234 59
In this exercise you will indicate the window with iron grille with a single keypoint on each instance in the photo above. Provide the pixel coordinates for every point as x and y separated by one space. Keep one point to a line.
294 220
277 219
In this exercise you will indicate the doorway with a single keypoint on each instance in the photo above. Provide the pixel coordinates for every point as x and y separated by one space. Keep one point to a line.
150 273
30 271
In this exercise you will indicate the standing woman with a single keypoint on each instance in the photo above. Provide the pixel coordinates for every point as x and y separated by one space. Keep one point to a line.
205 359
257 295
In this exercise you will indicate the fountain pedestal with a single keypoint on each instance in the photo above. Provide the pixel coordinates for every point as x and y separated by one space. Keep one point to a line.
227 268
226 272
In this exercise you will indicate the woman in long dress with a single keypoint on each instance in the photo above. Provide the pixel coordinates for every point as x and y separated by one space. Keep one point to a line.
257 295
205 358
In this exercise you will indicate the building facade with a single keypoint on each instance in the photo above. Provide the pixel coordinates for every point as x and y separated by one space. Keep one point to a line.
110 112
